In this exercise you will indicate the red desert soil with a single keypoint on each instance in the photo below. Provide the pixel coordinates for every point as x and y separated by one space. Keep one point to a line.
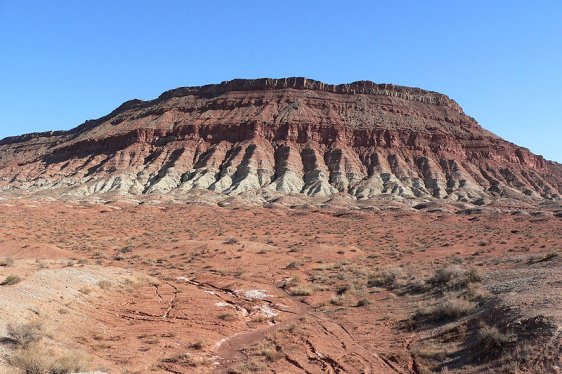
176 288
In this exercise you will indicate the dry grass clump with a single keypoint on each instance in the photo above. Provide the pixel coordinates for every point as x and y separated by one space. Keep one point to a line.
293 265
126 249
231 241
197 345
186 359
477 292
247 367
290 282
454 278
38 360
25 334
490 339
363 302
304 290
416 285
338 300
268 350
433 354
448 309
85 290
522 354
551 255
227 317
384 278
543 257
8 261
452 309
11 280
104 285
290 328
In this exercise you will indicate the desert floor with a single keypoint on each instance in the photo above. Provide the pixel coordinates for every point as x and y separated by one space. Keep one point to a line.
174 288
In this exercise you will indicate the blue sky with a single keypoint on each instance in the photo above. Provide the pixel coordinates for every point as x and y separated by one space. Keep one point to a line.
62 62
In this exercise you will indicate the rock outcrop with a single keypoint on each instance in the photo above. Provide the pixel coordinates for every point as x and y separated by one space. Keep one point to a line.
281 136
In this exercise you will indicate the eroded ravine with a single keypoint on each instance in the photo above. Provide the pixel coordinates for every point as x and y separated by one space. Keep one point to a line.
229 350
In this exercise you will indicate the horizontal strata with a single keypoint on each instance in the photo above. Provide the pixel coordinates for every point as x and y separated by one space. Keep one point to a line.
281 136
293 160
264 84
301 83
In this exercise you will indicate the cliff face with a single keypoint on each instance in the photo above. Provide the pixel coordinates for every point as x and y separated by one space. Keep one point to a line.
281 136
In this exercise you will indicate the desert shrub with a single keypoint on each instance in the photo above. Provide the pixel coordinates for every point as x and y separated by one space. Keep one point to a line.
521 354
386 278
227 317
290 328
269 351
416 285
550 255
473 275
70 363
10 280
433 354
25 334
445 275
176 358
85 290
31 361
543 257
198 345
8 261
348 288
290 282
304 290
477 292
127 249
99 255
37 360
260 318
338 300
247 367
104 285
186 359
453 277
490 339
292 265
456 259
448 309
363 302
231 241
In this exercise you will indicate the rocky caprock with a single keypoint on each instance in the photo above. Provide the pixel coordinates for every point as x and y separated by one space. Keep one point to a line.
271 137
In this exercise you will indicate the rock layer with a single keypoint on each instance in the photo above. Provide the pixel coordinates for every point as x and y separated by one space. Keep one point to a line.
282 136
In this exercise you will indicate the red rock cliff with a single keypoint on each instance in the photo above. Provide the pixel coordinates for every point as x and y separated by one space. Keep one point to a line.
281 136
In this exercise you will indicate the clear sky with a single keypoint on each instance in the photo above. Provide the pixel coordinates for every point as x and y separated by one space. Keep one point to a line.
62 62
